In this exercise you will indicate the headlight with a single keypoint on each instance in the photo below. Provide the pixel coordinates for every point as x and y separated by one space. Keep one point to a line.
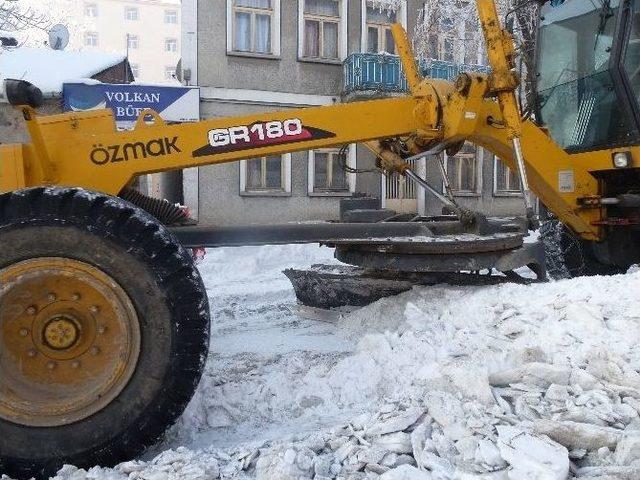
621 159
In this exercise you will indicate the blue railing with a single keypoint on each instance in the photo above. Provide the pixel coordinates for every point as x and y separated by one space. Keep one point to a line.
383 72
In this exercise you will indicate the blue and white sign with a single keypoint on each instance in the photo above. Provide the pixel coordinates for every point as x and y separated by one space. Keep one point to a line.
174 104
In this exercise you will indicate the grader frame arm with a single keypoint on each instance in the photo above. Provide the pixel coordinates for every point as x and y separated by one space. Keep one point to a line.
84 149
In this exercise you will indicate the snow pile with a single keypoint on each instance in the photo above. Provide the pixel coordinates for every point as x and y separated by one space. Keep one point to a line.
50 69
498 382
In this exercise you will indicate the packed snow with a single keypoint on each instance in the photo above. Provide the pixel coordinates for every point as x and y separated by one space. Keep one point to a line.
503 382
49 69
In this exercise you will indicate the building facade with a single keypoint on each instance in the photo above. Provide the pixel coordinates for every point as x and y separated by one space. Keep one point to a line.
147 31
262 55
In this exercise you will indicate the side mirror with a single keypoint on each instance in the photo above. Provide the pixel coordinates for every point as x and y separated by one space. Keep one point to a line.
21 92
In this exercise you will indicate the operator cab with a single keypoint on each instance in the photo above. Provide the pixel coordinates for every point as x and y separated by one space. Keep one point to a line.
589 73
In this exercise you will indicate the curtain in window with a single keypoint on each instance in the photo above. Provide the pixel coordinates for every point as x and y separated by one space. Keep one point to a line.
339 180
320 171
254 174
372 40
330 35
274 173
311 38
254 3
467 174
390 45
263 34
327 8
243 32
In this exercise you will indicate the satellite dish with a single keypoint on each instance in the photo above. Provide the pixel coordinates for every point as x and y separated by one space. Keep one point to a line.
58 37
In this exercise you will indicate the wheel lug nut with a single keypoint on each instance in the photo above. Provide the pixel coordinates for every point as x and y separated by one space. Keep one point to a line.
51 297
32 353
102 329
31 310
75 364
24 332
51 365
75 297
94 309
94 351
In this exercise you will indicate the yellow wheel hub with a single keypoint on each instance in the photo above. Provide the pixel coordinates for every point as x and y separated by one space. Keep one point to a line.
61 333
69 341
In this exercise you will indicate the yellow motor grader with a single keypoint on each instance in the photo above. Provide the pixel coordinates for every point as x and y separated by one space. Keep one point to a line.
104 319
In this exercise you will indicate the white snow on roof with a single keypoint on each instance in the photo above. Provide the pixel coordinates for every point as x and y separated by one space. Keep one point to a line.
49 69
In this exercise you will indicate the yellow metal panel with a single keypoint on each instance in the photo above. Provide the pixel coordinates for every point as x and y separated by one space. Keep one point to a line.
11 168
89 157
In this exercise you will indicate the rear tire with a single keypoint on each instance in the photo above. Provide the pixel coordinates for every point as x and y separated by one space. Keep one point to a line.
568 256
121 249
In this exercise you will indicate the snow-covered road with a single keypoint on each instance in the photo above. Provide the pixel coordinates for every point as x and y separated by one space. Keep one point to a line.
496 382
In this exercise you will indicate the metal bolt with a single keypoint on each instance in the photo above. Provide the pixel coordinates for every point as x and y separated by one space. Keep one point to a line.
31 310
24 332
51 365
94 309
75 364
75 297
102 329
32 353
94 351
51 297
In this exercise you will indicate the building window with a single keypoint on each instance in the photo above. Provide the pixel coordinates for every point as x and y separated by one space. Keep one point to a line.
376 25
171 16
135 70
253 27
90 39
327 172
269 175
90 10
131 13
378 30
464 171
169 73
321 29
506 181
132 42
171 45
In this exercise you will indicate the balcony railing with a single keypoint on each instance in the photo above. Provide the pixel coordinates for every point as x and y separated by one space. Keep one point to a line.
382 72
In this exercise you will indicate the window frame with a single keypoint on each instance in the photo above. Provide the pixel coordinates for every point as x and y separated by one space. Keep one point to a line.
128 10
166 71
479 154
275 30
93 35
175 15
311 171
342 33
503 193
401 16
129 38
93 7
285 191
135 67
166 44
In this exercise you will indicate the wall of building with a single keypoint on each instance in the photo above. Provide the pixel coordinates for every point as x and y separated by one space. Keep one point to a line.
150 59
235 84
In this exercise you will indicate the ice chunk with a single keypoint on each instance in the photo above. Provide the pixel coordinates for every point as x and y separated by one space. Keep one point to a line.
534 457
574 435
628 449
538 374
397 423
406 472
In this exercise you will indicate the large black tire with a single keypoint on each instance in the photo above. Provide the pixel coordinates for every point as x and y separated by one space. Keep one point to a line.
170 300
568 256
